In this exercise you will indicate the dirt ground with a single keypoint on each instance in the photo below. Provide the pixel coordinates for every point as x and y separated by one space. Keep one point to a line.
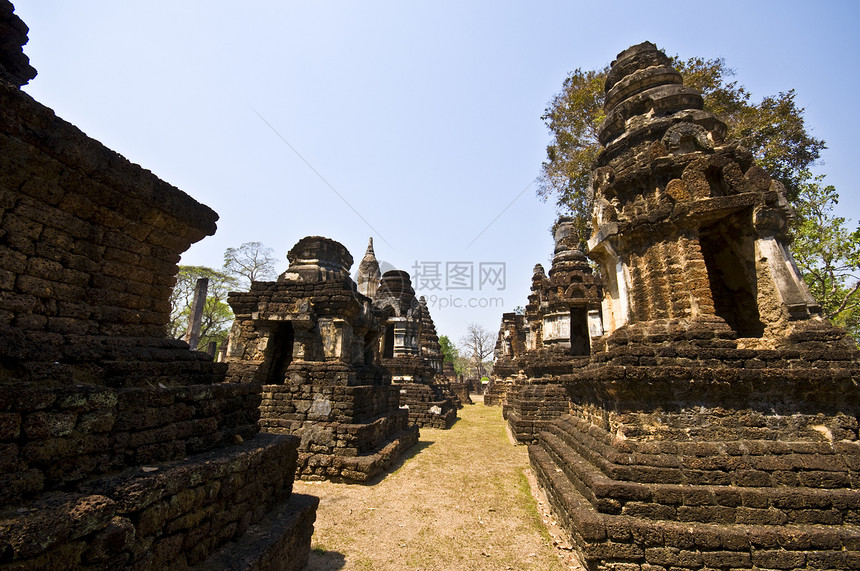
464 498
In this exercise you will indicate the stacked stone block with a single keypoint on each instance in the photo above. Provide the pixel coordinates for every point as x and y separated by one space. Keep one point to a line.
761 470
56 438
118 447
427 406
462 391
495 392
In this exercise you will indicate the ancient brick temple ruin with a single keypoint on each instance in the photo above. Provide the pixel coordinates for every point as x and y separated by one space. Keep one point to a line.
409 349
310 338
118 447
555 334
448 395
715 423
510 347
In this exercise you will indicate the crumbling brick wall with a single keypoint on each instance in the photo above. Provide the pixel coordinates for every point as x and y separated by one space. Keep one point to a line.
118 447
87 259
87 264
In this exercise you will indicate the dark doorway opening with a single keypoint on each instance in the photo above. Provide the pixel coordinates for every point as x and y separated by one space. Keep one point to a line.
580 343
388 343
730 265
279 353
370 344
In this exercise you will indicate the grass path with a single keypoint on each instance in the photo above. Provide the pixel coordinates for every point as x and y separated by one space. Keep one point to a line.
461 500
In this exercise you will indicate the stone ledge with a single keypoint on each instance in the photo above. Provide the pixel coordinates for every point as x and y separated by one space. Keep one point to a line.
356 469
50 439
166 515
281 541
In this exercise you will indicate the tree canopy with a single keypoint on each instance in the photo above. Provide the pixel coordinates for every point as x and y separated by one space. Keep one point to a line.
477 344
828 254
250 262
449 350
451 354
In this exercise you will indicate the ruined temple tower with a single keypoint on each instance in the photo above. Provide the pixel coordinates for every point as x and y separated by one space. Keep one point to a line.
310 339
396 300
564 323
428 340
411 354
533 313
570 300
688 232
715 423
510 346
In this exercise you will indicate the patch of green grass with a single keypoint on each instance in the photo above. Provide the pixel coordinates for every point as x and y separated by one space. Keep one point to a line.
529 504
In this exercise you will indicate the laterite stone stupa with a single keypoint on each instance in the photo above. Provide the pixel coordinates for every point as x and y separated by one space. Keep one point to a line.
410 351
716 423
311 339
563 322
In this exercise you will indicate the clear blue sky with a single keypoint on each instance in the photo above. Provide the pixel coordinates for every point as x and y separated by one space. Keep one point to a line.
423 116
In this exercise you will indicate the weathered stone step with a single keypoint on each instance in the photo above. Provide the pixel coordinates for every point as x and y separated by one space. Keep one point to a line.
609 541
705 503
281 541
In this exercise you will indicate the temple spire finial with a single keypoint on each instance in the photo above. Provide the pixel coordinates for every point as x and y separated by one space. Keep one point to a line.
368 272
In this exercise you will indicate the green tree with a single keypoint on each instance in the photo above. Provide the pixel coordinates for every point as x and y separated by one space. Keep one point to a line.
773 130
217 316
828 254
449 350
572 118
451 354
250 262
